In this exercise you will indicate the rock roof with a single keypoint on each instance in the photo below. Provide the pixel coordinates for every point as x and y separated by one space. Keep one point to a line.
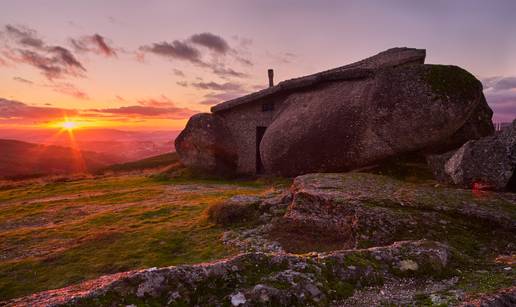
358 70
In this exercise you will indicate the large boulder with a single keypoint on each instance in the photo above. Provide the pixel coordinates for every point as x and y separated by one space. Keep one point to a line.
207 146
343 125
487 163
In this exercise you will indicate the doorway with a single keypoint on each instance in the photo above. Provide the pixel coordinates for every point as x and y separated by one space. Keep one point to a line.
260 131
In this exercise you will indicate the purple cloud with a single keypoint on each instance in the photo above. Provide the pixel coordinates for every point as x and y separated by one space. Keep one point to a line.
184 50
70 90
15 110
175 50
500 93
211 41
95 43
228 86
24 46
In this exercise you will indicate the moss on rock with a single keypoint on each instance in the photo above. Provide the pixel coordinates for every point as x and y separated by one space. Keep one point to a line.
452 81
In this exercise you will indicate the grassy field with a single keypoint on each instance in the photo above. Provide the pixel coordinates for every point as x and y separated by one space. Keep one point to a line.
149 163
56 234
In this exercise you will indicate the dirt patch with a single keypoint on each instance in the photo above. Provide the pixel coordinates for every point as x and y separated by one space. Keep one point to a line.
303 238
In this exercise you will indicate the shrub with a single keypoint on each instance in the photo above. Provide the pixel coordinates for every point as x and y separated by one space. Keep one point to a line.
228 213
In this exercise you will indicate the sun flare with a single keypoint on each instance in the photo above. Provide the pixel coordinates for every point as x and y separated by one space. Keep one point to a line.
69 125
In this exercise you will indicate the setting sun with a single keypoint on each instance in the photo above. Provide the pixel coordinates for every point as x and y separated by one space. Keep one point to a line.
69 125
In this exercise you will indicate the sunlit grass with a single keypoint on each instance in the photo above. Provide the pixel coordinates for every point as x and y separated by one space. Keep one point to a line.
56 234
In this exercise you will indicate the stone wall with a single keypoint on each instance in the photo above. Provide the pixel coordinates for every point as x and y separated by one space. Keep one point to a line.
242 122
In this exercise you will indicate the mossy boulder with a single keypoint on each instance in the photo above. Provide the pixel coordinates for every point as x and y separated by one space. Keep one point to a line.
343 125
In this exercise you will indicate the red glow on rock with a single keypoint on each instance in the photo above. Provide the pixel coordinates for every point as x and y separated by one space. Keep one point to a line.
478 188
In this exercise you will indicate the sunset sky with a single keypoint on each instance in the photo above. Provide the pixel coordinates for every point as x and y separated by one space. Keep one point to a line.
152 64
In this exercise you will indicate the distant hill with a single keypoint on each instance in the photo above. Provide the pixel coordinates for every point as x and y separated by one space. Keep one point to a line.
23 160
148 163
128 145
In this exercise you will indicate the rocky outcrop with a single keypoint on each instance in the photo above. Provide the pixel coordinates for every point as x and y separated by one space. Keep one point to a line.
361 210
256 279
488 163
397 243
206 145
343 125
502 298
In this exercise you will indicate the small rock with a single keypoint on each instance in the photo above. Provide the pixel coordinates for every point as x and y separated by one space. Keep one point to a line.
406 265
238 299
314 291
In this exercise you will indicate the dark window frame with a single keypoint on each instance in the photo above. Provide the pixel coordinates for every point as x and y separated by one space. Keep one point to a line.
268 106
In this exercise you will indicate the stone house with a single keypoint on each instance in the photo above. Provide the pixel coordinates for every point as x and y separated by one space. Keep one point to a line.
340 119
249 116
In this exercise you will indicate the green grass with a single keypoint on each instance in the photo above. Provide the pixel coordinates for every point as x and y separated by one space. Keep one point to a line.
148 163
57 234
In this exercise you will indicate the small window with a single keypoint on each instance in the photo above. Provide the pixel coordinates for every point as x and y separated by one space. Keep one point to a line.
267 106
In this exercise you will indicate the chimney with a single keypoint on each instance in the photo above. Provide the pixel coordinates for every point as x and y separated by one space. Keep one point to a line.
271 77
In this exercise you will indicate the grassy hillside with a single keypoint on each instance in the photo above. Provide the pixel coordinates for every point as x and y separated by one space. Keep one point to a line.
23 160
148 163
56 234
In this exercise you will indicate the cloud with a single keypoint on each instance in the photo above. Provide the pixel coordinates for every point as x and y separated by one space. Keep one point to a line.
161 107
120 98
209 102
149 111
282 57
70 90
244 61
175 50
15 110
178 72
182 83
499 83
223 72
95 43
12 111
162 101
500 94
186 50
228 86
214 98
503 104
22 80
24 36
211 41
139 56
63 55
24 46
243 42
